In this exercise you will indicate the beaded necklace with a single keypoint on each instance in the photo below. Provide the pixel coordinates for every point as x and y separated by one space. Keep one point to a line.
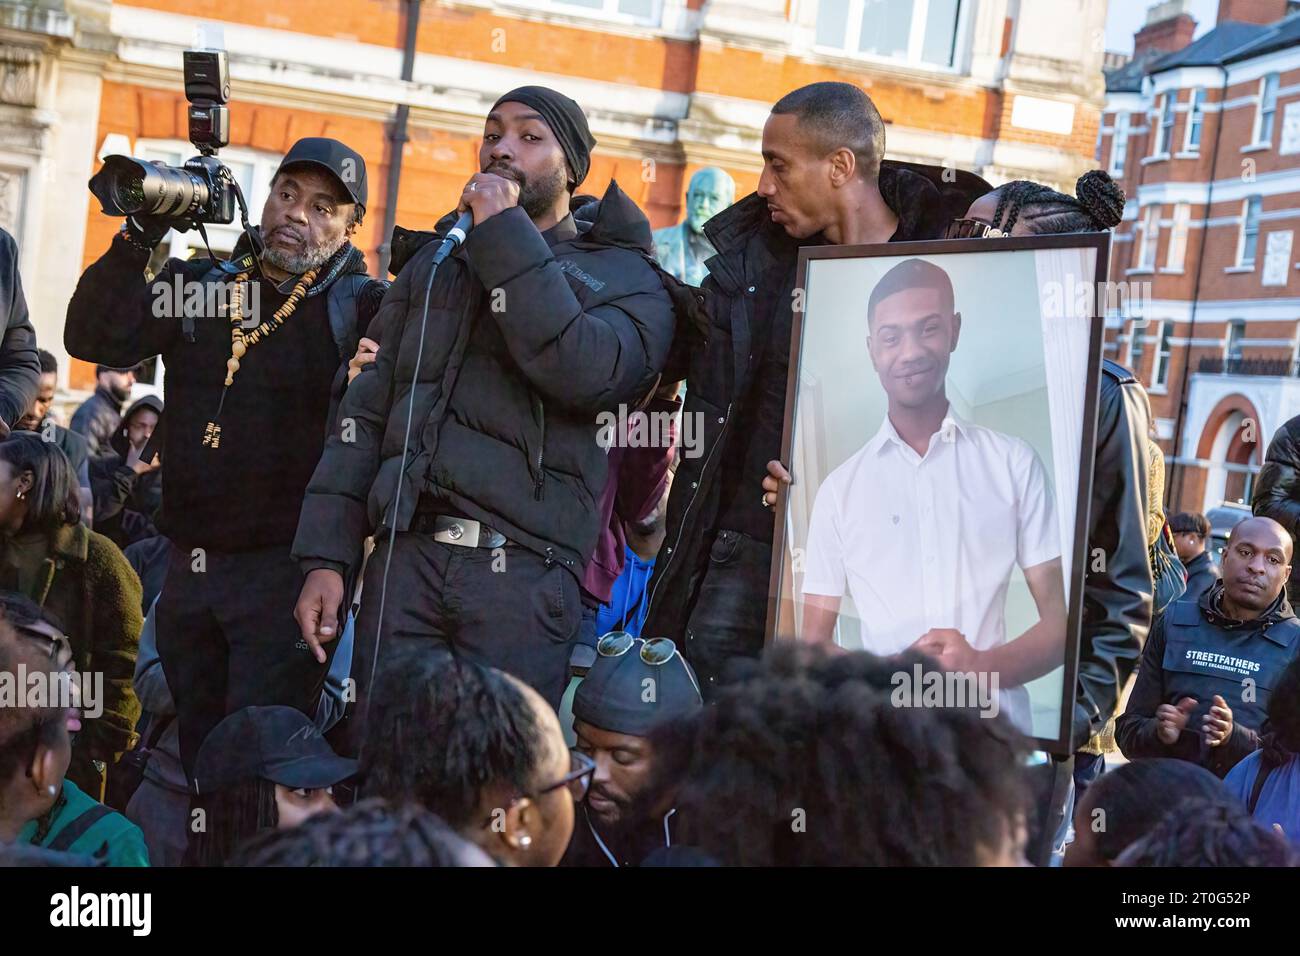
240 344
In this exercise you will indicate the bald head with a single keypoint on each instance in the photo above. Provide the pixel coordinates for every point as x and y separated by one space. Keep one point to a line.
1256 565
1264 532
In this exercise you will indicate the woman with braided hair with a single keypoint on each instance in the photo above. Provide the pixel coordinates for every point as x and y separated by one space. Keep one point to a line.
1025 208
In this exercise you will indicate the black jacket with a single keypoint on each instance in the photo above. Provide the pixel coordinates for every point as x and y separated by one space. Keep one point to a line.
245 494
126 503
1195 651
1277 489
717 363
1201 573
96 420
1117 591
20 368
526 345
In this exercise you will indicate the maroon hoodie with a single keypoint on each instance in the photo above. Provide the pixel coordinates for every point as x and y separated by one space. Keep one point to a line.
636 483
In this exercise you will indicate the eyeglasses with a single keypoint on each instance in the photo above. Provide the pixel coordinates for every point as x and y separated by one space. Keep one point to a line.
578 779
966 228
60 646
655 652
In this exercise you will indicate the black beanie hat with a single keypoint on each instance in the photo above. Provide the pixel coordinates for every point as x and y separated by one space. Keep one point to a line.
565 119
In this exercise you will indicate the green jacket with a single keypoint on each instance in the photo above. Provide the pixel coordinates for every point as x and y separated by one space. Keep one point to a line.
85 582
111 836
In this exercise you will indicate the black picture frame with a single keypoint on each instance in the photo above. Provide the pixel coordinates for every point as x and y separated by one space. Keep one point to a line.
1097 241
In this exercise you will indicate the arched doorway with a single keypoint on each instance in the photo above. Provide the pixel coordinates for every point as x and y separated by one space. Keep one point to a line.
1230 445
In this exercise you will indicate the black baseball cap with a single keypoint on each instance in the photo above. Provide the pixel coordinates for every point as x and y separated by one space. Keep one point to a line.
343 161
276 743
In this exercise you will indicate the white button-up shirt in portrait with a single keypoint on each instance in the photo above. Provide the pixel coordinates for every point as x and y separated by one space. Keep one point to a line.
930 541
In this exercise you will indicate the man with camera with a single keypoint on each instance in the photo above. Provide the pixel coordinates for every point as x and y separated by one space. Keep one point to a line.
252 372
503 360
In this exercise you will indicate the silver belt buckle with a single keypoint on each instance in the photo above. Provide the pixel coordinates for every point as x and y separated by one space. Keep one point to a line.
459 531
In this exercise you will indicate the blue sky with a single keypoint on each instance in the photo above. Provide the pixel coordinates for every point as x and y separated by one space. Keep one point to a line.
1125 17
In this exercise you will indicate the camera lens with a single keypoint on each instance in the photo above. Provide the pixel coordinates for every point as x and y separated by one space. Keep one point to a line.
127 192
126 186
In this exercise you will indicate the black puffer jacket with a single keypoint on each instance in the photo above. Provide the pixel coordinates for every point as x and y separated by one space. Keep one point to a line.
526 344
717 363
1277 489
96 420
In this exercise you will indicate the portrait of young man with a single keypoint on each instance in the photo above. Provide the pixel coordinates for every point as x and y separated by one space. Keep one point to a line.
924 525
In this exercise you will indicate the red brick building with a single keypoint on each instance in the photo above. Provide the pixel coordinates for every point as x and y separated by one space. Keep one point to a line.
1205 137
1005 88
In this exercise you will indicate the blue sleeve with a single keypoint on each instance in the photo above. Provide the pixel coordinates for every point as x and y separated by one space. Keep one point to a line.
1241 778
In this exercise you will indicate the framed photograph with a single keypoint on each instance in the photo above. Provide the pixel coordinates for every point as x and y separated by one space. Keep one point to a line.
940 429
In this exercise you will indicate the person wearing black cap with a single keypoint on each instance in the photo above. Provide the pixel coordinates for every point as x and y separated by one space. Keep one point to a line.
634 686
247 410
262 768
543 319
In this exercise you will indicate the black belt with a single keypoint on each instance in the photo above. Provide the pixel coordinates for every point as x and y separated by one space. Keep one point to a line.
454 529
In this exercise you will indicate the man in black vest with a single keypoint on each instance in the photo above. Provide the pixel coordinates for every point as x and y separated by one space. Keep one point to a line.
1211 662
248 406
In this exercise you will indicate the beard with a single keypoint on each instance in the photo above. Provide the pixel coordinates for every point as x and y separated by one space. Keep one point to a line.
536 196
310 257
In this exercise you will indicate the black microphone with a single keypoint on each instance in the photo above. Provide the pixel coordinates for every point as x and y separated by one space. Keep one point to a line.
455 236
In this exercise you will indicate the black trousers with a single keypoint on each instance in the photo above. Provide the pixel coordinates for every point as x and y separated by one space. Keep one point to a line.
505 608
730 613
227 639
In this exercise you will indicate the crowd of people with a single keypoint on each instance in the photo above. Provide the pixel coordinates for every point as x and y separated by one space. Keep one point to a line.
371 591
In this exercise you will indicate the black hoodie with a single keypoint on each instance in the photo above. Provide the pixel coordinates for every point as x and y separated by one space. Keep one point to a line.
126 503
529 339
244 494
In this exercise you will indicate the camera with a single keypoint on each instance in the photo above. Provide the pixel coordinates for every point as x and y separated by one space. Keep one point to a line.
203 189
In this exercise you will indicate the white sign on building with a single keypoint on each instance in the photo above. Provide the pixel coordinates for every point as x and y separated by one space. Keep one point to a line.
1277 258
1290 129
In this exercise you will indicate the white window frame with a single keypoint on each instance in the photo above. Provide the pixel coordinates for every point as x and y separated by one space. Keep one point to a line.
1228 341
608 10
1160 367
1119 145
1180 226
1149 242
1195 119
1257 135
1164 130
915 37
1135 345
1242 262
